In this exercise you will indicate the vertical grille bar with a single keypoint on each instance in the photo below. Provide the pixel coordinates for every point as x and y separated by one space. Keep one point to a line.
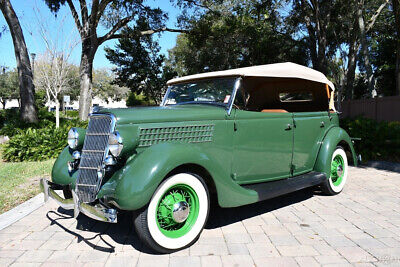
95 149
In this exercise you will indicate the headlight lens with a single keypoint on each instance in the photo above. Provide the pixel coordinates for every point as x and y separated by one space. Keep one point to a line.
115 144
73 138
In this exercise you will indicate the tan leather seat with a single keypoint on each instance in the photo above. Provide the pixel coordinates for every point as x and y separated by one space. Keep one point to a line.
274 110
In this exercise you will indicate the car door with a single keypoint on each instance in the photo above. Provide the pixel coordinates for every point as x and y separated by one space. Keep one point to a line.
263 145
308 133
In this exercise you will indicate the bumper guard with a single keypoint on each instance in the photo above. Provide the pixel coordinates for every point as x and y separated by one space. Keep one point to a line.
97 212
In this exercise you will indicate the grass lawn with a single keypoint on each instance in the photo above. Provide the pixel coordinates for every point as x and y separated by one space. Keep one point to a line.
19 181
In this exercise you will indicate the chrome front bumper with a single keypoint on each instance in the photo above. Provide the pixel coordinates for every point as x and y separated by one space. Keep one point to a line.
97 212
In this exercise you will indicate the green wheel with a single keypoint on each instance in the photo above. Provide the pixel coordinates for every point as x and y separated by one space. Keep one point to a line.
338 173
176 214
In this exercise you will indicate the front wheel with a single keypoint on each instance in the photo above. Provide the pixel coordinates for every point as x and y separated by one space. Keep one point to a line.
176 214
338 174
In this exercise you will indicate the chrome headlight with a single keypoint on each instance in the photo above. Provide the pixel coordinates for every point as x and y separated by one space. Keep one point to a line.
73 136
115 144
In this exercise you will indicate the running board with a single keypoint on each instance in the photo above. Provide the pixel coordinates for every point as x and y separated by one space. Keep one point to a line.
281 187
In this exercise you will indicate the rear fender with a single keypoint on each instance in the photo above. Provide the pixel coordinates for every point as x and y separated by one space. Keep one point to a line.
334 137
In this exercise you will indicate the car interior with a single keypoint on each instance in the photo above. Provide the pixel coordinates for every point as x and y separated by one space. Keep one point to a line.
281 95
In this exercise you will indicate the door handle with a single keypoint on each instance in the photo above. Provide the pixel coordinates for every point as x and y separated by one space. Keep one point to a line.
322 124
288 127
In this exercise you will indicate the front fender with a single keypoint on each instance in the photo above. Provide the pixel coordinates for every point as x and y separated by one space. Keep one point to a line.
59 173
132 186
334 136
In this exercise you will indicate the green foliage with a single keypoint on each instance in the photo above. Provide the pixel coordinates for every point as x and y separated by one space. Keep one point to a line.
105 88
40 99
134 100
379 140
140 67
35 142
235 34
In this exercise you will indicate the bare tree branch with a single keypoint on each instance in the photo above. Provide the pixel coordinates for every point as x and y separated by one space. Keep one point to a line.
115 28
75 16
371 22
102 6
147 32
84 11
93 13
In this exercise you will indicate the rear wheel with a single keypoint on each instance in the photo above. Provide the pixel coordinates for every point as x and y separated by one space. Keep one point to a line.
176 214
338 174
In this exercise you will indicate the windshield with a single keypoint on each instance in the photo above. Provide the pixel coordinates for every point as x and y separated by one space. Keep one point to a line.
214 91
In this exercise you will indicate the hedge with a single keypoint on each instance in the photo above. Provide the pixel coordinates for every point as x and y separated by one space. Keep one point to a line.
379 140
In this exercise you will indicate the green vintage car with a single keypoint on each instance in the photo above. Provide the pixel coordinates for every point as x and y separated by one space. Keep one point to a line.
235 137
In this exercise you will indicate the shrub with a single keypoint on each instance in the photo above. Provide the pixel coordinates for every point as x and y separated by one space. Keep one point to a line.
36 144
134 100
12 125
379 140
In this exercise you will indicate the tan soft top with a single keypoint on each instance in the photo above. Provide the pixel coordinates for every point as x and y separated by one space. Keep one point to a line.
277 70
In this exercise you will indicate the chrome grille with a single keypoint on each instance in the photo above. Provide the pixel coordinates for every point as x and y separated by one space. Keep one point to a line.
95 149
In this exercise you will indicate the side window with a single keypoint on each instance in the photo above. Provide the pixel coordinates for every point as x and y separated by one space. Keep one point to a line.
296 96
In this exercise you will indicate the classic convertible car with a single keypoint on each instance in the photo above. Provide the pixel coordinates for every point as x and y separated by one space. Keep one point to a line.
236 136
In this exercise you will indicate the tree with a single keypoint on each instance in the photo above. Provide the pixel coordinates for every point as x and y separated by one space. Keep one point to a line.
105 88
334 27
8 86
234 34
396 11
140 67
114 15
52 74
26 87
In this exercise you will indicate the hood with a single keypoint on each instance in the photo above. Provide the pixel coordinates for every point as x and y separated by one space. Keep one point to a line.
195 112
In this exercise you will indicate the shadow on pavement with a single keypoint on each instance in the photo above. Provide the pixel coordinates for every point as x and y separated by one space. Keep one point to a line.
220 217
382 165
123 233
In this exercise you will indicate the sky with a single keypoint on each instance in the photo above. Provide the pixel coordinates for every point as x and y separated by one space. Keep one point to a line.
61 30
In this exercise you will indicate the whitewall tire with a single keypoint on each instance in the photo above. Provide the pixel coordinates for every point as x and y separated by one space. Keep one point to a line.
176 214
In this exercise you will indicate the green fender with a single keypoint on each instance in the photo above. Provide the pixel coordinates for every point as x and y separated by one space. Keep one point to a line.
59 173
132 187
333 137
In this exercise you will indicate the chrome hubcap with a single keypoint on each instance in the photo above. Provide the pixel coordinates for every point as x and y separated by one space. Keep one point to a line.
339 170
180 211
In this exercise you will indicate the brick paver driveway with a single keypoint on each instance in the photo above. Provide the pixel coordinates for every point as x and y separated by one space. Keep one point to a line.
359 226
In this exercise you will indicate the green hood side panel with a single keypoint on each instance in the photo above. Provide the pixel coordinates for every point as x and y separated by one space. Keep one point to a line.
59 173
177 113
333 137
133 186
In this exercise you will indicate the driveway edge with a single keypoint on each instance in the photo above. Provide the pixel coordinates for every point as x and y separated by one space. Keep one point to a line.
20 211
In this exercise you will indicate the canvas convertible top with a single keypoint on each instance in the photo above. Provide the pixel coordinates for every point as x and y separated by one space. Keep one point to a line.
277 70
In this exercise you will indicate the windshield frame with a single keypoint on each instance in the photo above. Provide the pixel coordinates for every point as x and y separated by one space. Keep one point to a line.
227 107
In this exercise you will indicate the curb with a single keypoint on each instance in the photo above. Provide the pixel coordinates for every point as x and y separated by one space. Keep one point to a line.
20 211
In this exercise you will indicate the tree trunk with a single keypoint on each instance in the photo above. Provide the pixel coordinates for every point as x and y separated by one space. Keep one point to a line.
364 48
26 87
396 10
351 67
86 74
57 113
